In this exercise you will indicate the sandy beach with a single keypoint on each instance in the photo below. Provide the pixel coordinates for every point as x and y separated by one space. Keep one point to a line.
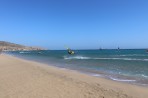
27 79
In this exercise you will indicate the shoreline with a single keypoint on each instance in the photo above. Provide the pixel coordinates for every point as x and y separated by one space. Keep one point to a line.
37 80
99 74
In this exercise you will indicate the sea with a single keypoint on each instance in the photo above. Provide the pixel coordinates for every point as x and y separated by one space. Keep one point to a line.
124 65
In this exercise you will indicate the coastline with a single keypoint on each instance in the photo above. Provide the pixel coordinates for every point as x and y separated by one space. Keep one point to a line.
21 78
108 67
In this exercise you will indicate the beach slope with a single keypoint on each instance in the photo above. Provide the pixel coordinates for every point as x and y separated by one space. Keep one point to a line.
26 79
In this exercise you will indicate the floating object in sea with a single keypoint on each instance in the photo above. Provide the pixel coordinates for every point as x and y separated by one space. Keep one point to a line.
70 51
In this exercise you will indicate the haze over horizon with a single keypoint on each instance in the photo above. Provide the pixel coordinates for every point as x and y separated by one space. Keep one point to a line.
79 24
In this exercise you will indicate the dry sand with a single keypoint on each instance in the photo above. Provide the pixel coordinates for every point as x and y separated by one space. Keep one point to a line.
27 79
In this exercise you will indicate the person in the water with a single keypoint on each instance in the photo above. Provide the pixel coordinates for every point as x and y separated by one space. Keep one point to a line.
70 51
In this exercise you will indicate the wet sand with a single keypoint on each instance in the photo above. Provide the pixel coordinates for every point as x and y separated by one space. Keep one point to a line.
27 79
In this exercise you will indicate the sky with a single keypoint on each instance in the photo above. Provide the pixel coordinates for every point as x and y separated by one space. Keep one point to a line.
78 24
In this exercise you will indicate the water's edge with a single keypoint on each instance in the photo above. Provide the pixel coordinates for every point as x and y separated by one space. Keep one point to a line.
93 73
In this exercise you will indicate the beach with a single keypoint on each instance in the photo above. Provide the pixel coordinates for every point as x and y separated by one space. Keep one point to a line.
21 78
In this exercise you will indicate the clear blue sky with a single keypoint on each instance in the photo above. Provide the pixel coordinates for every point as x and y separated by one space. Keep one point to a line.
79 24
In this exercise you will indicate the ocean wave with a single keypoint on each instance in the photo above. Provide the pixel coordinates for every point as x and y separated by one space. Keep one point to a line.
127 59
22 52
142 75
122 80
40 52
96 75
84 58
133 55
77 57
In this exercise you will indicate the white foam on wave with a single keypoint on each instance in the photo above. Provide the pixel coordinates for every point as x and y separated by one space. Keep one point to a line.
40 52
84 57
128 59
77 57
24 52
122 80
133 55
96 75
144 76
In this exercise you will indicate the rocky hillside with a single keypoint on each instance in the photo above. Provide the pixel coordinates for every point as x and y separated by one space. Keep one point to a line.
7 46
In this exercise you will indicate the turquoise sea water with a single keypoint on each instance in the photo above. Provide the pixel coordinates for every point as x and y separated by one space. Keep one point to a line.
127 65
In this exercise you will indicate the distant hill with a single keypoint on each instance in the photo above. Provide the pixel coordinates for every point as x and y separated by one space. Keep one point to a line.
7 46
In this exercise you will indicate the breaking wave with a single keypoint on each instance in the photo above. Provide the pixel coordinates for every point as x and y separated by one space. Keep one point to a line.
133 55
23 52
122 80
84 57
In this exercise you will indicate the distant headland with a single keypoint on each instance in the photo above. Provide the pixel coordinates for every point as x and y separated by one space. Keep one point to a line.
8 46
